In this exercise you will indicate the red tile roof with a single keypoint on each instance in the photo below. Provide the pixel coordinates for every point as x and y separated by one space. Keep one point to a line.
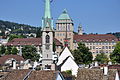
30 41
6 57
95 38
115 67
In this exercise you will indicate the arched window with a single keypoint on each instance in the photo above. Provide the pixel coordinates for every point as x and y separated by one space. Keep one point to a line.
47 39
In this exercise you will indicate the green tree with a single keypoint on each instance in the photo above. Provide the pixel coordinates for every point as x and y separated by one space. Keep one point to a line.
11 37
101 58
82 54
14 50
38 33
115 56
8 50
30 52
2 50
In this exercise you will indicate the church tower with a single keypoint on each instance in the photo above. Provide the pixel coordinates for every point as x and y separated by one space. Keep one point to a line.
80 30
64 29
47 38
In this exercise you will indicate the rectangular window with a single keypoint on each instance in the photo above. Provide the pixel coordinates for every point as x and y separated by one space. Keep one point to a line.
103 47
106 47
109 47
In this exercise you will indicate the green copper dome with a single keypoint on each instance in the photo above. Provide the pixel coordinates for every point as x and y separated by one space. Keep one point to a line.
64 15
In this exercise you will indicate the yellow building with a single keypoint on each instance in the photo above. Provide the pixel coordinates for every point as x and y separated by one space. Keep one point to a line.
64 29
97 43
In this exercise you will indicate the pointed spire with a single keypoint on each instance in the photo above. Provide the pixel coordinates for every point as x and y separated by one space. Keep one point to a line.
47 19
47 9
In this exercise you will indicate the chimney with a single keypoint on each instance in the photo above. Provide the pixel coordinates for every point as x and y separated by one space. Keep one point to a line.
14 64
96 64
105 70
109 63
117 76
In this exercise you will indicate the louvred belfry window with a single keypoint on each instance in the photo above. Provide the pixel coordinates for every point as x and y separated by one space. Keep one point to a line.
47 39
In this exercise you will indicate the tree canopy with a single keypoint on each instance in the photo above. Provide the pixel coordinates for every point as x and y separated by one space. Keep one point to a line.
30 52
82 54
115 56
39 32
2 50
101 58
11 37
14 51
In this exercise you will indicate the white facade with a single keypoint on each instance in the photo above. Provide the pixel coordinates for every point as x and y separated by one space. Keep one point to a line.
67 61
64 55
70 65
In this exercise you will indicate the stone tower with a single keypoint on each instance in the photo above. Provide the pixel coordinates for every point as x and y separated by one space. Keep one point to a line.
80 31
47 38
64 29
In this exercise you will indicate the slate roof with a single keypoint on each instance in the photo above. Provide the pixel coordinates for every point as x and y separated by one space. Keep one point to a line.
6 57
30 41
95 74
95 38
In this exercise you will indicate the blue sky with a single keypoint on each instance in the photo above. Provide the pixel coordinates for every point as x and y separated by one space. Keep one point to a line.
96 16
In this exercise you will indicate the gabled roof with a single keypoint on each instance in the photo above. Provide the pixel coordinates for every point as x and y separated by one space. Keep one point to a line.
15 75
66 53
115 67
64 15
95 74
29 41
43 75
34 75
94 38
69 64
3 59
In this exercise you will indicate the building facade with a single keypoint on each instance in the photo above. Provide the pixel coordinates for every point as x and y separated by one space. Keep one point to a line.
98 43
64 29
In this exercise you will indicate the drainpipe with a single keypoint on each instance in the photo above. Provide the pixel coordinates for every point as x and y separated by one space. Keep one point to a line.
14 64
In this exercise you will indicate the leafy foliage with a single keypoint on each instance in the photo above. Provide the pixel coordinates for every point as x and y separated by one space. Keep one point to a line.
14 51
101 58
82 54
2 50
39 32
8 50
16 28
15 36
115 56
30 52
117 34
